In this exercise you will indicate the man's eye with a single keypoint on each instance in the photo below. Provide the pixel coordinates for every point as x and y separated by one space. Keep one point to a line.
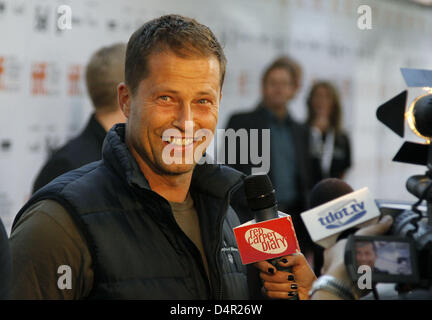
203 101
164 98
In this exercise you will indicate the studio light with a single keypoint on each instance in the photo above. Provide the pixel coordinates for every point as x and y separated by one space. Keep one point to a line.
418 117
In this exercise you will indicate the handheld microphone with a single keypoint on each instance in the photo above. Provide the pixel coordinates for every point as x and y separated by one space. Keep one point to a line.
261 198
338 211
327 190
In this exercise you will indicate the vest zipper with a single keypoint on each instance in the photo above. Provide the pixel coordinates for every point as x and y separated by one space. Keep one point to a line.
219 289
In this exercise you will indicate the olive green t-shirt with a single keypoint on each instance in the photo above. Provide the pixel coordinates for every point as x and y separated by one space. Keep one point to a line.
187 218
46 239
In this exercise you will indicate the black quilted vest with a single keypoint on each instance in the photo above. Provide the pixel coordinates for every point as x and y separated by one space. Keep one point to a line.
138 251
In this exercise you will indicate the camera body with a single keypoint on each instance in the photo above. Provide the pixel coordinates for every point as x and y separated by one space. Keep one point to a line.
412 221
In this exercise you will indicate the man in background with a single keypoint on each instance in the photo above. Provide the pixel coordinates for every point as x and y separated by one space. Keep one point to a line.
289 160
104 72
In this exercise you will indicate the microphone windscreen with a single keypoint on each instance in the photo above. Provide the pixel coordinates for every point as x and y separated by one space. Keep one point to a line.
327 190
259 192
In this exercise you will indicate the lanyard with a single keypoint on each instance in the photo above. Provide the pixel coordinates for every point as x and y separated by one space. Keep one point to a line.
323 149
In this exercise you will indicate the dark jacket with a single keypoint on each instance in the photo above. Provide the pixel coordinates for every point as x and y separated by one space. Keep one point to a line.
83 149
138 251
340 163
260 119
5 264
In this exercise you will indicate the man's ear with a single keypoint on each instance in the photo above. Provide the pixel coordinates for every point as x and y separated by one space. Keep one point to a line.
124 98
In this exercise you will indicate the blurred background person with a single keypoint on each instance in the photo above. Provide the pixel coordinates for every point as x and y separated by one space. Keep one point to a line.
104 72
329 145
289 143
330 150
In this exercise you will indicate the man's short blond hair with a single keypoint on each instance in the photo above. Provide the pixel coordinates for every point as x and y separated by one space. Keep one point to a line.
104 72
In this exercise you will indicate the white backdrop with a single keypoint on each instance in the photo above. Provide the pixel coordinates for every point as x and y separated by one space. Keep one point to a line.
43 100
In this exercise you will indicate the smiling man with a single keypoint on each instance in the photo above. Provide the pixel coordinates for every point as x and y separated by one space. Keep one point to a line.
135 225
165 110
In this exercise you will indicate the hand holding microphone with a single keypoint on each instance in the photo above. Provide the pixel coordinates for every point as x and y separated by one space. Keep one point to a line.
278 284
284 275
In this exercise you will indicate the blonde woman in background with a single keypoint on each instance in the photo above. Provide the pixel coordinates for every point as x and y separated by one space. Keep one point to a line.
330 148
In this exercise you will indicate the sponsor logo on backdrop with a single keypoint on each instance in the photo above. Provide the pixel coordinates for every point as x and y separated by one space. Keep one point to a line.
5 146
41 18
38 74
34 141
2 7
2 86
60 16
45 79
43 139
18 8
74 80
10 70
112 25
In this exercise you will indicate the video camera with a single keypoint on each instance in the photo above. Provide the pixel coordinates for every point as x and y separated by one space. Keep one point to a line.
409 264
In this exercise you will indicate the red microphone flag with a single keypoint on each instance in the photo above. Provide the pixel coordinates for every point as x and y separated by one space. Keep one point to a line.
266 240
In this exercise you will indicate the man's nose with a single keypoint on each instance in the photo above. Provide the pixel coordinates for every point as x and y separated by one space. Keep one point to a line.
183 116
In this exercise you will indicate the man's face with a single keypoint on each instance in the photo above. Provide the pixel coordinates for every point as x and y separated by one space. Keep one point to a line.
279 88
177 93
366 255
